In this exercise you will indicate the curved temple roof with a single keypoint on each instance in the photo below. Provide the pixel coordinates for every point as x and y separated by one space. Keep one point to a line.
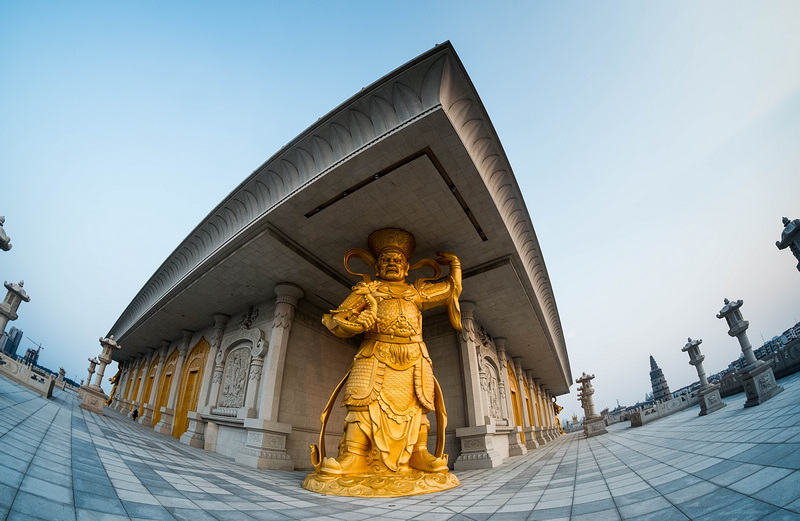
415 150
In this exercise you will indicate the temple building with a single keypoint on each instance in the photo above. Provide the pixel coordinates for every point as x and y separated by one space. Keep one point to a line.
659 382
224 346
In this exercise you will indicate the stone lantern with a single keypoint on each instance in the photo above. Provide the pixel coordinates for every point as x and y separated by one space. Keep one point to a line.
757 376
93 396
790 238
708 394
9 306
593 423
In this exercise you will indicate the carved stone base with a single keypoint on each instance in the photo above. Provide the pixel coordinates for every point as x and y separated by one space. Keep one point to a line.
164 425
530 438
539 436
477 448
393 484
515 446
266 446
195 434
759 383
93 399
710 399
594 426
146 418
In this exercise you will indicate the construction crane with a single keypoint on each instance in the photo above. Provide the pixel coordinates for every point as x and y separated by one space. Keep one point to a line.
32 357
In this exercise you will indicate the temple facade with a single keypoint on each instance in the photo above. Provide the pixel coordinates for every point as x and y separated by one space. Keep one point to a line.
224 346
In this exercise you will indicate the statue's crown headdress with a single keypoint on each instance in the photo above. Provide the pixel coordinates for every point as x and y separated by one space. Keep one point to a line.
391 238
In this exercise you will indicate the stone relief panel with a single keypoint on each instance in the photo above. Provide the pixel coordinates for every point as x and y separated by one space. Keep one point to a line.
492 390
235 377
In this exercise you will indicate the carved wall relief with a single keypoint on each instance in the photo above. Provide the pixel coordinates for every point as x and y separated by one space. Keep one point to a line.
235 378
492 389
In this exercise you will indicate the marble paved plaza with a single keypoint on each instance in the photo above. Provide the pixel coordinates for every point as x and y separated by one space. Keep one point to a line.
60 462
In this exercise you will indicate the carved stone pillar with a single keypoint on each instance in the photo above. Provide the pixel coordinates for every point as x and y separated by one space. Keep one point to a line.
165 424
505 396
146 418
266 437
515 446
530 432
541 431
137 401
195 434
477 445
469 366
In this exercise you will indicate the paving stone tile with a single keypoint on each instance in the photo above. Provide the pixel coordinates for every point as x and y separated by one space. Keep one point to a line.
712 502
40 507
667 514
747 508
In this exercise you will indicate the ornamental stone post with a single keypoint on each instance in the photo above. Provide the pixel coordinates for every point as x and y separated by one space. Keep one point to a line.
266 437
708 394
92 398
477 446
8 308
108 345
757 376
790 238
195 433
593 423
165 424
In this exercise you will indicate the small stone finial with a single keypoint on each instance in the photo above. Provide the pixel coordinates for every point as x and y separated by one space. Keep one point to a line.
727 301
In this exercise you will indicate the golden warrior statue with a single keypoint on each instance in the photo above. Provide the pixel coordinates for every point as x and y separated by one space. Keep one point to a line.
390 387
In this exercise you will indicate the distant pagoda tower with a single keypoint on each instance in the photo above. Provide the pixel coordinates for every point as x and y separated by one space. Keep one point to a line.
659 383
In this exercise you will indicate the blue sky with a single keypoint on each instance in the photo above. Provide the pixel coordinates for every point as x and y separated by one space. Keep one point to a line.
656 145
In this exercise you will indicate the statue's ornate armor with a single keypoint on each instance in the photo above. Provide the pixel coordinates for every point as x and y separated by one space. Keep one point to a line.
392 361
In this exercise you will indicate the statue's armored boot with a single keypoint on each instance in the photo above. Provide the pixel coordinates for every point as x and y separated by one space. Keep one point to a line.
423 460
353 454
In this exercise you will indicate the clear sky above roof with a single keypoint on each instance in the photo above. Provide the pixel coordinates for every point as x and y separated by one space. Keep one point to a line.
657 146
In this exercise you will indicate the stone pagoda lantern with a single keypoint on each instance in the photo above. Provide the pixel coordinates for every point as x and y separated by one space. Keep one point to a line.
757 376
8 308
593 423
708 394
93 395
790 238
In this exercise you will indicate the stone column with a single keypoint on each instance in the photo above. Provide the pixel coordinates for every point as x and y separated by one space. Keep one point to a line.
757 376
708 394
477 446
9 306
146 418
209 389
515 446
212 374
266 437
164 425
123 383
138 400
531 434
503 383
541 429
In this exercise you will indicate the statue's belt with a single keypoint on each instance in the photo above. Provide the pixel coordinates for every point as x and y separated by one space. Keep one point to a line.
393 339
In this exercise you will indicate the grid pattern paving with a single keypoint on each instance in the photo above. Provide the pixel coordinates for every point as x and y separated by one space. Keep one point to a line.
59 462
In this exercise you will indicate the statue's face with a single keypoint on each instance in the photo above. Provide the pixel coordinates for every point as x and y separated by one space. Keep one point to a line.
392 266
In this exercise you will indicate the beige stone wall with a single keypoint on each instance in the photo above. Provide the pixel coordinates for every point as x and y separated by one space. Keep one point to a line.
316 361
442 342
